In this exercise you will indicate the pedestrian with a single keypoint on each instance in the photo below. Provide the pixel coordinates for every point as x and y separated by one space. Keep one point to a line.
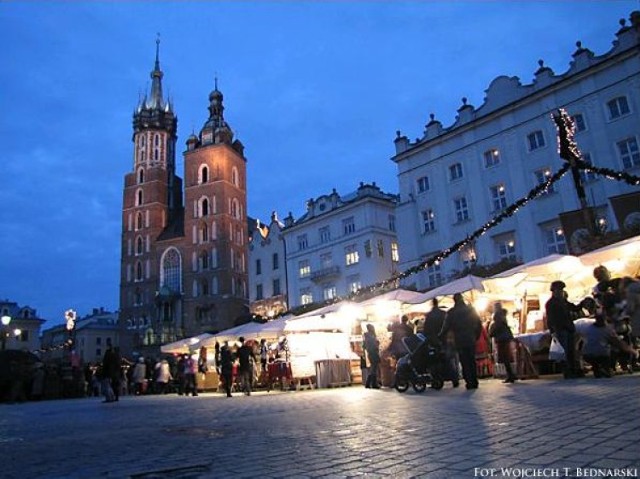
371 346
264 354
464 322
138 377
163 376
190 375
246 360
433 322
226 367
500 331
399 331
560 313
111 369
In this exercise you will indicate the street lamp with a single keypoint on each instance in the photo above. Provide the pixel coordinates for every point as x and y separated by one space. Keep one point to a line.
6 319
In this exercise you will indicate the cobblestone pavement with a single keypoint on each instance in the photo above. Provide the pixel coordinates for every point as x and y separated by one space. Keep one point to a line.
541 428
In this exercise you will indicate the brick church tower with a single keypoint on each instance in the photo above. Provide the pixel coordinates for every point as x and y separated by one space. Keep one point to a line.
183 270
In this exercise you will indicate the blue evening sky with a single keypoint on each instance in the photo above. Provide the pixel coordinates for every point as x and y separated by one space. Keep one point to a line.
314 90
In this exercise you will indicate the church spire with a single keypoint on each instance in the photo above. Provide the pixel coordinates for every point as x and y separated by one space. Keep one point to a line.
156 100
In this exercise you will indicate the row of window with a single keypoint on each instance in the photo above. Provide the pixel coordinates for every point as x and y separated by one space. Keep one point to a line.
275 289
629 153
275 263
204 175
351 256
348 227
154 151
330 290
627 150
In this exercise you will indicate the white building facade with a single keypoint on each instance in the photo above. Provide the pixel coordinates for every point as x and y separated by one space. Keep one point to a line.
341 244
454 180
267 269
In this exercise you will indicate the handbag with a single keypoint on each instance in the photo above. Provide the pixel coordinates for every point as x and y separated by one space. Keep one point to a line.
556 351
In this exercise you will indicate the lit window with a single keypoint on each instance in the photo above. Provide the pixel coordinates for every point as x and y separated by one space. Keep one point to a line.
304 269
348 226
423 184
555 241
618 107
542 175
491 158
498 197
535 140
429 221
455 172
578 121
461 208
329 292
395 254
629 153
354 284
305 296
351 255
507 249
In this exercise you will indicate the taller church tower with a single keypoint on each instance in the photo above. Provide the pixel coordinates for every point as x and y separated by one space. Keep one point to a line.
183 268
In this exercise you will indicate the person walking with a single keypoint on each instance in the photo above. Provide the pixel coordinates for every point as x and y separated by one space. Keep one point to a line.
372 348
226 367
163 376
138 377
500 331
246 360
433 322
190 375
111 371
464 322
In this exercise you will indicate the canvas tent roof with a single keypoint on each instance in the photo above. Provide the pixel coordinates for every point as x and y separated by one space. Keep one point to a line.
269 330
186 345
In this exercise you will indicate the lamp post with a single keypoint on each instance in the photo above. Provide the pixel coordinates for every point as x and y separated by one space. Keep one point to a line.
5 323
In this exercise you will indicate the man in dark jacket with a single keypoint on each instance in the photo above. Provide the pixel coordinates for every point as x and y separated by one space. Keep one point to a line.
246 360
433 322
226 367
560 323
466 326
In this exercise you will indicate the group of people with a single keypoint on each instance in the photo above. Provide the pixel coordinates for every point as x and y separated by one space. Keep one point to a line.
454 331
611 338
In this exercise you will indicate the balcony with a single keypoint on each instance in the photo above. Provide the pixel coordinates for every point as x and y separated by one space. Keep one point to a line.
325 273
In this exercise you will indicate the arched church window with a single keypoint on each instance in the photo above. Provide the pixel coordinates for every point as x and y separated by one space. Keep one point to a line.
139 246
204 233
204 174
139 221
139 271
139 198
205 207
141 176
234 176
171 270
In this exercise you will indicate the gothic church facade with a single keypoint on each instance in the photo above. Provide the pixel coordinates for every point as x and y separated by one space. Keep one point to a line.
184 243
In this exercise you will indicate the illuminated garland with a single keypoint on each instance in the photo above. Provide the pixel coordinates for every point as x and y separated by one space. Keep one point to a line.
509 211
609 173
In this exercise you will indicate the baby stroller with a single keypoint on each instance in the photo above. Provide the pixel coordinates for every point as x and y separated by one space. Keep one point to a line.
422 365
